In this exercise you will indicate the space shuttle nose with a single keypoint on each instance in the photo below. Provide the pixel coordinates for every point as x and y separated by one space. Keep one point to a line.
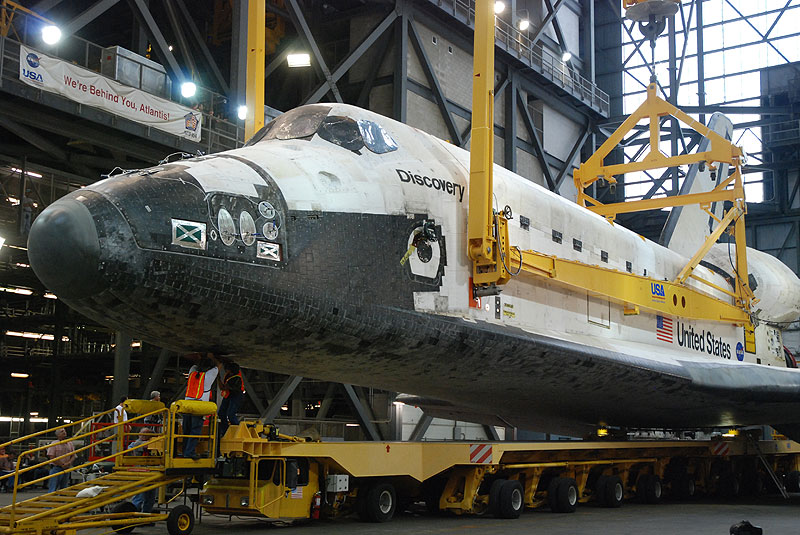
64 251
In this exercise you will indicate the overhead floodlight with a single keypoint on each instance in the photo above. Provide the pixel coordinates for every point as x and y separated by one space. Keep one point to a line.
51 34
301 59
241 113
20 375
523 24
188 89
499 7
169 48
2 241
566 56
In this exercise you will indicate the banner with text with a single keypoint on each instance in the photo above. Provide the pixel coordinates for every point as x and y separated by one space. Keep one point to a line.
92 89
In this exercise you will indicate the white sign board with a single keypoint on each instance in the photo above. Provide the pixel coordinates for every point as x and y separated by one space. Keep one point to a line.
92 89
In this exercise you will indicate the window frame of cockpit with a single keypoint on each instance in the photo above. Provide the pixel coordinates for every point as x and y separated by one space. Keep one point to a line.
362 132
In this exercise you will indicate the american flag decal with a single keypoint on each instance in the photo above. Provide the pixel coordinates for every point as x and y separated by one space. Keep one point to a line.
664 329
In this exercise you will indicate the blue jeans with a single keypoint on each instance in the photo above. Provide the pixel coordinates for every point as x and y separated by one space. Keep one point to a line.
227 412
192 425
57 482
145 501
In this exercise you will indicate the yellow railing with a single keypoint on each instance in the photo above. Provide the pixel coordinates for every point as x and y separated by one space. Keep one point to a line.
117 433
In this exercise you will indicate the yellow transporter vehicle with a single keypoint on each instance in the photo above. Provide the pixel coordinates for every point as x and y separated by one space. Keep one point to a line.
273 476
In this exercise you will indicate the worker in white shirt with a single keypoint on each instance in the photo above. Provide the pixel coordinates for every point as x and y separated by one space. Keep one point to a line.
201 380
120 415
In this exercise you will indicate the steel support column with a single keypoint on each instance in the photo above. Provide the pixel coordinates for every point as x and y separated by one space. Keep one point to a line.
251 393
142 12
510 137
299 21
122 365
537 144
421 428
400 85
157 374
433 82
352 58
274 408
363 413
201 44
88 15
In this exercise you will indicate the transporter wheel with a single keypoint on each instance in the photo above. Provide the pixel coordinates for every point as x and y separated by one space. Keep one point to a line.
648 488
683 487
563 495
494 496
381 502
613 492
361 500
793 481
180 521
511 500
600 490
124 507
728 485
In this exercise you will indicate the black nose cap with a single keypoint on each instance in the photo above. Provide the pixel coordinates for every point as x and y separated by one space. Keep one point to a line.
64 250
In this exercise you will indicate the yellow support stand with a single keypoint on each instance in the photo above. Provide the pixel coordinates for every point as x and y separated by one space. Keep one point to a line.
256 57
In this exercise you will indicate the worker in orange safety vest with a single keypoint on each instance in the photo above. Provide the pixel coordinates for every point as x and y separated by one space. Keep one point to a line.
232 395
201 379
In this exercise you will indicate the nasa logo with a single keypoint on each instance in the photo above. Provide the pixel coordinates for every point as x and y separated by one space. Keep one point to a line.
33 75
739 351
657 291
33 60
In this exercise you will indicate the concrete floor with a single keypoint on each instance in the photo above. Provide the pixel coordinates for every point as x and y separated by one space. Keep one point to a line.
775 515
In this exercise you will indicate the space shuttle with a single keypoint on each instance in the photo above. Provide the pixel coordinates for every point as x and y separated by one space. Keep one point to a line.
333 245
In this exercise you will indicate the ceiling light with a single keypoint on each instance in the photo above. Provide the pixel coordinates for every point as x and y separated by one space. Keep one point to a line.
20 375
566 56
298 60
29 173
188 89
2 241
20 291
524 24
169 48
499 7
49 295
34 414
51 34
241 113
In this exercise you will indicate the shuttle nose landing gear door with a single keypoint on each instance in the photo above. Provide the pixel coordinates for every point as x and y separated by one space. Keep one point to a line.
425 256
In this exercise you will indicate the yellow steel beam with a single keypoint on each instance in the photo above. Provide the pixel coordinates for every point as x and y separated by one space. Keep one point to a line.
627 288
256 58
487 234
687 270
480 222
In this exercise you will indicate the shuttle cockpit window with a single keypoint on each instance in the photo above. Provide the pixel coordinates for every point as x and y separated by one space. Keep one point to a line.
342 131
299 123
376 138
354 135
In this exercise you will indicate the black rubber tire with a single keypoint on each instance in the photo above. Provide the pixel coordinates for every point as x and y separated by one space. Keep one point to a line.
728 485
552 494
381 502
432 493
511 500
613 493
494 496
124 507
566 495
361 500
649 489
180 521
793 481
600 490
683 487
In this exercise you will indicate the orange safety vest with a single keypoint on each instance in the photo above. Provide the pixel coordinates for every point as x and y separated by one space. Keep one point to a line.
194 390
226 392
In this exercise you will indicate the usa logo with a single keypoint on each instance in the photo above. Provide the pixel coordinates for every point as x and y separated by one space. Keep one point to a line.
190 122
32 59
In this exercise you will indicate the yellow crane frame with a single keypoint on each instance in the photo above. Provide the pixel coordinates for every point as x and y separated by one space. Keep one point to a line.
487 230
